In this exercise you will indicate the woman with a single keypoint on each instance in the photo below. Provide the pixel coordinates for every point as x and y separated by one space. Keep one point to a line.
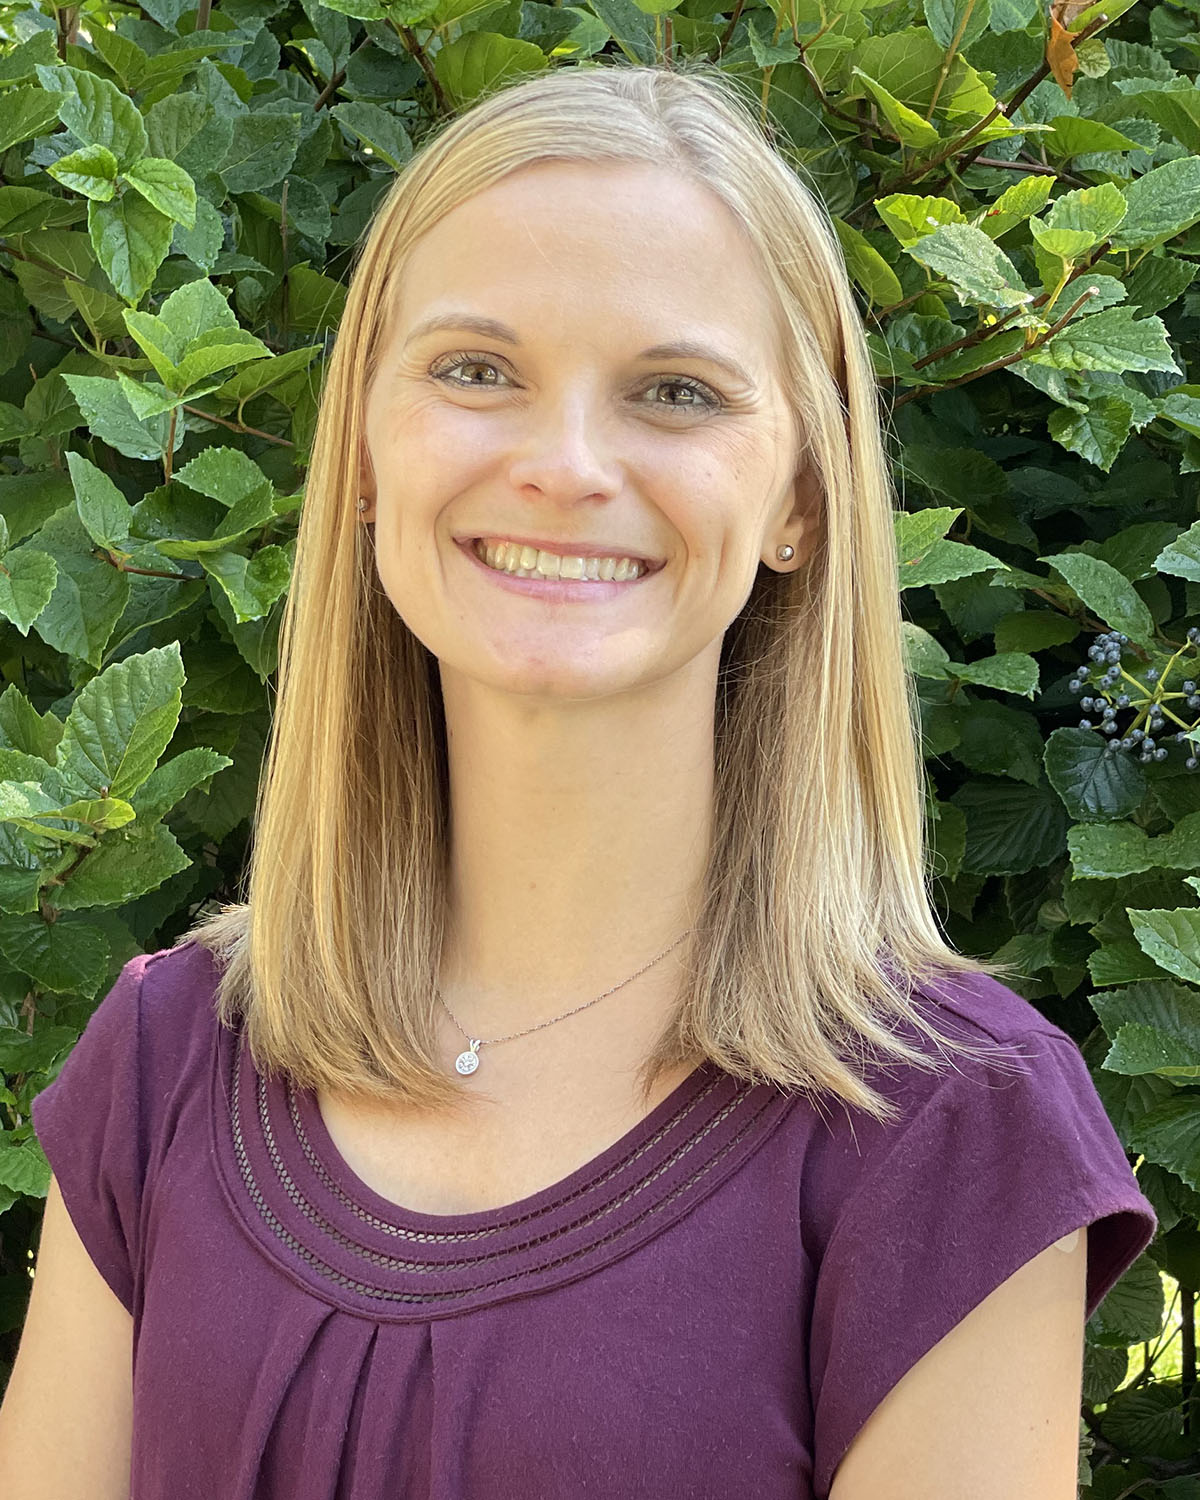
486 1151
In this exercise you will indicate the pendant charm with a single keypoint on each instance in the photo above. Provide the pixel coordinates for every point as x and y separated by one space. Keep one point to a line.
467 1062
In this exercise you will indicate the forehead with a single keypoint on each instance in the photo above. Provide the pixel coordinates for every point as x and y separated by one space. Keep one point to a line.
623 247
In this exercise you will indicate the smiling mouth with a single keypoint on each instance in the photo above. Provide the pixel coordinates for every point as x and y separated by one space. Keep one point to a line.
522 561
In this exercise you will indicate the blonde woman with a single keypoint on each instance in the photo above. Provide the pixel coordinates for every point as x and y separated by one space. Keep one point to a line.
584 1102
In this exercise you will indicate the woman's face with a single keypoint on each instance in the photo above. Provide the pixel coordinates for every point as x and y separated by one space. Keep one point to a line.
560 430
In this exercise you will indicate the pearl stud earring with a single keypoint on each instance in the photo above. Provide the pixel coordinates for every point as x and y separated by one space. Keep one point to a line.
785 553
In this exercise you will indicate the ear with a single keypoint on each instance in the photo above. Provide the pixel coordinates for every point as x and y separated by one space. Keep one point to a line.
798 522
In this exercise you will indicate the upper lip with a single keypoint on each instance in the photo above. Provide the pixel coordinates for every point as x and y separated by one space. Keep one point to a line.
564 549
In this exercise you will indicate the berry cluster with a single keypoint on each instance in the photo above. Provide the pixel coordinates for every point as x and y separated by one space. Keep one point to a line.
1150 708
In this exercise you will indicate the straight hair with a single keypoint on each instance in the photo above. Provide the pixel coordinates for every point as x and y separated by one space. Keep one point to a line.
815 924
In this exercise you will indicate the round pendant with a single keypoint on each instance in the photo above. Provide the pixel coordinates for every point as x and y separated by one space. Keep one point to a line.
467 1062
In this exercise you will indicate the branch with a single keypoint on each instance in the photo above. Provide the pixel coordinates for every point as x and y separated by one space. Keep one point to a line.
977 336
1008 359
924 167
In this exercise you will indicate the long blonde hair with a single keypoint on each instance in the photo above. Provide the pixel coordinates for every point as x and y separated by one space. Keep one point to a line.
815 920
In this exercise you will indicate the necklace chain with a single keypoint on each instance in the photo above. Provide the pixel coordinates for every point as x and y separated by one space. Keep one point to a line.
468 1061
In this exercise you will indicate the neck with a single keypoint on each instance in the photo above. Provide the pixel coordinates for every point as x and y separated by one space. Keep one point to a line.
579 840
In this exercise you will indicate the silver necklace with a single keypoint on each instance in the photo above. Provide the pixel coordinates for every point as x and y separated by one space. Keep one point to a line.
468 1061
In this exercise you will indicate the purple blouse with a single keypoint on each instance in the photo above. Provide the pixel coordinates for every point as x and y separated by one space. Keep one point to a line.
713 1306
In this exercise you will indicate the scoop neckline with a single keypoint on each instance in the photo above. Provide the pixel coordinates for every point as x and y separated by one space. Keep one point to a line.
333 1236
309 1110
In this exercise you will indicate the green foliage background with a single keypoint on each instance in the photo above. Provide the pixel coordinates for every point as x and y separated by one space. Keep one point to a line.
1018 198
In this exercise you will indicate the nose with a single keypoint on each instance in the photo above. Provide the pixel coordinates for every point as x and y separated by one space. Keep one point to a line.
564 449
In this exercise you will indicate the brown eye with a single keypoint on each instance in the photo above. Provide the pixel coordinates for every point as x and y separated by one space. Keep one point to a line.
708 400
441 370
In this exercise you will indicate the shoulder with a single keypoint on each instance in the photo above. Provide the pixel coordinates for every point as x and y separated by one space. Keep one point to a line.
160 1013
1021 1061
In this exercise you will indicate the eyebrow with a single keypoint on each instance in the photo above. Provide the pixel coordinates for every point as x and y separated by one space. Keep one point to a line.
491 329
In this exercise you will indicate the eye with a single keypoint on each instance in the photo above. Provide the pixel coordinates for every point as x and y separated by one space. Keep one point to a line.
707 398
441 368
447 367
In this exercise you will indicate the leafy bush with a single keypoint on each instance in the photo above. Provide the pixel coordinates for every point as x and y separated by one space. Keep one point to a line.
1017 193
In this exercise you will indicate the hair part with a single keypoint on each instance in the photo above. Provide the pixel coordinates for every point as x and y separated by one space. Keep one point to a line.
815 926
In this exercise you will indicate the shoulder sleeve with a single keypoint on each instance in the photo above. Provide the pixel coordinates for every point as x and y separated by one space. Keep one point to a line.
989 1170
88 1121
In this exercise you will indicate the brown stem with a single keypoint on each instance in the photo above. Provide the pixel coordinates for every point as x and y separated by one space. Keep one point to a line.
123 567
409 37
728 32
267 437
922 168
978 335
999 364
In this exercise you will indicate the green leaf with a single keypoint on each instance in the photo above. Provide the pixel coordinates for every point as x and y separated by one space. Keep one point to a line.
89 595
1074 134
1107 851
27 579
102 508
96 111
1095 211
67 957
1011 828
121 722
1009 672
377 128
106 410
1169 1134
1115 339
999 740
1097 433
92 170
261 151
1068 244
166 186
23 1166
1110 597
766 53
1181 558
946 561
1171 939
224 474
24 114
24 729
910 217
1094 782
925 656
481 61
1034 630
911 129
131 239
171 781
1016 204
956 22
123 868
979 269
866 266
252 585
1161 204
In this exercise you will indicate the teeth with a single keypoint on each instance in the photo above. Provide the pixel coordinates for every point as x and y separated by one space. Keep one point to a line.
532 562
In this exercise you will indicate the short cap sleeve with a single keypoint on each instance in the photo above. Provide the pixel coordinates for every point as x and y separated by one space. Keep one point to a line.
88 1123
995 1165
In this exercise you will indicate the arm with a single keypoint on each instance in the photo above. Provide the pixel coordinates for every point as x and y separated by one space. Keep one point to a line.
992 1411
66 1420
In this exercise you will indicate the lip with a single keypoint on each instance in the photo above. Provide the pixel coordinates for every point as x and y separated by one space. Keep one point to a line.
564 590
563 549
